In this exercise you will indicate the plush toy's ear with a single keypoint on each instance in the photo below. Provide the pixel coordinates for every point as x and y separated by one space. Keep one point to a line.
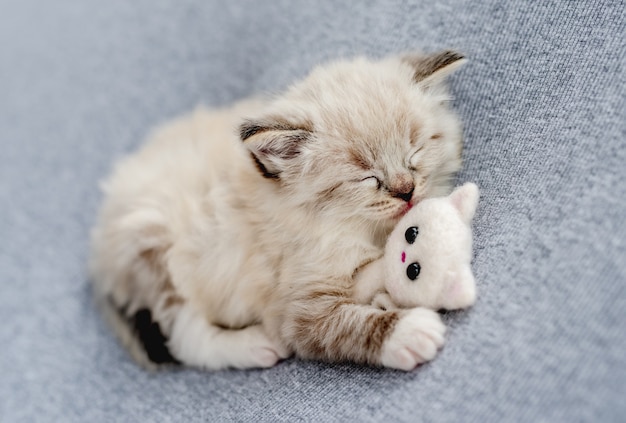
465 200
461 289
432 70
274 143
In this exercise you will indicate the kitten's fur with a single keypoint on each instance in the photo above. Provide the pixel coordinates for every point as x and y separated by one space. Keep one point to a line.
223 252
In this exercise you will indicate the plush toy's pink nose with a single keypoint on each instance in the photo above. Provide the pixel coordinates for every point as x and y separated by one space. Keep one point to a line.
403 257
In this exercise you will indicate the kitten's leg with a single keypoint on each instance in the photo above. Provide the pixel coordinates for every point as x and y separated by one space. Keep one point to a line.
368 281
194 341
327 324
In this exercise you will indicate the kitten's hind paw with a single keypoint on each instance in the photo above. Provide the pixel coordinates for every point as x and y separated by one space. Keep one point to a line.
264 357
264 353
415 339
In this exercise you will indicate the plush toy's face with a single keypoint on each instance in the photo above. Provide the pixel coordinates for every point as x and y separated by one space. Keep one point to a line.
428 254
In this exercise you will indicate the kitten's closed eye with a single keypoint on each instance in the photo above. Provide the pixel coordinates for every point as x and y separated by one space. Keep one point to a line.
415 159
371 181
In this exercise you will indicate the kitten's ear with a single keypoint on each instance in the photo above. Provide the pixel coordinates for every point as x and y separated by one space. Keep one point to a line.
274 143
465 200
432 70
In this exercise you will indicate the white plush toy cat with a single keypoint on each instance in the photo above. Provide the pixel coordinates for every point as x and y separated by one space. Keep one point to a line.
427 257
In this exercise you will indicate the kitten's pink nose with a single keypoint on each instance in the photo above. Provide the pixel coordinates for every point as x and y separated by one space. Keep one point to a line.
403 257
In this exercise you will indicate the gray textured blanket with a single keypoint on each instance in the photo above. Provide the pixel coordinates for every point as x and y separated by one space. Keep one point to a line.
543 104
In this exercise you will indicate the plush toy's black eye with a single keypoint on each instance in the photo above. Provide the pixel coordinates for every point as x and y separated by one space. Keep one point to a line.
411 234
413 271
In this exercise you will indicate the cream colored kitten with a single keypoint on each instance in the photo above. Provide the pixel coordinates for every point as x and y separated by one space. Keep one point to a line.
231 239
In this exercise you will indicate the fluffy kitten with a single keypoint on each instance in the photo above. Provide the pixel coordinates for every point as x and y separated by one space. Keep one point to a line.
222 250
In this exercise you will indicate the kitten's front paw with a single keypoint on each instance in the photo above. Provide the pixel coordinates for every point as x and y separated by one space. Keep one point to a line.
415 339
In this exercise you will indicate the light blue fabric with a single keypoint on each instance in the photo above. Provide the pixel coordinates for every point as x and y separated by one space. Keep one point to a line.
543 104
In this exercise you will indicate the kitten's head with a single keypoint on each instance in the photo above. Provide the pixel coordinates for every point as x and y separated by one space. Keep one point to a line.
362 138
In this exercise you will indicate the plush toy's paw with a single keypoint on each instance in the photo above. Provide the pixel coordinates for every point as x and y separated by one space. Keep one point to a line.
415 339
383 301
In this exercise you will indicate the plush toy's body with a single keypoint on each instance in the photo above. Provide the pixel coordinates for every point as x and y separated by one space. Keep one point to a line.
427 257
